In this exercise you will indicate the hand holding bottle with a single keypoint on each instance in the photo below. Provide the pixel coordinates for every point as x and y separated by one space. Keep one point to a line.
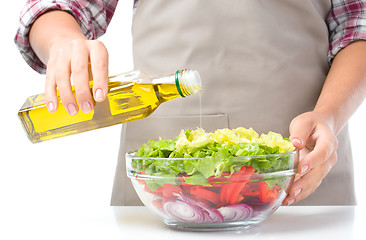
59 42
132 95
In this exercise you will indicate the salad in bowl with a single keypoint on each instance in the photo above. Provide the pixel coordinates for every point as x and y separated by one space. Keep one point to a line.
208 181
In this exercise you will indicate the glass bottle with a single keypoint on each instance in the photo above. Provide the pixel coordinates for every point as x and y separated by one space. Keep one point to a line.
131 96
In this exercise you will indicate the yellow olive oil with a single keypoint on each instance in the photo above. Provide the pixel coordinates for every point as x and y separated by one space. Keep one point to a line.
126 101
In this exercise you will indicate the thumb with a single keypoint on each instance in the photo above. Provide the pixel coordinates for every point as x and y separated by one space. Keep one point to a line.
301 128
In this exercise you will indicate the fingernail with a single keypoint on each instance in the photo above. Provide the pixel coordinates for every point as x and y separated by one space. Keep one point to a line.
72 109
50 106
99 95
296 140
291 201
86 107
298 191
304 169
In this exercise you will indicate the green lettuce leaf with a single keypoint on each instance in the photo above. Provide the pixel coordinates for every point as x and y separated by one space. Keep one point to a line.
197 154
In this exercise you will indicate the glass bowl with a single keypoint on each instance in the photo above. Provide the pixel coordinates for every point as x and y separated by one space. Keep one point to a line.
245 195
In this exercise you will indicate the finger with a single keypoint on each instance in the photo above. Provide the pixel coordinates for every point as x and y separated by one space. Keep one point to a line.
50 89
99 65
325 145
80 75
308 183
301 128
62 78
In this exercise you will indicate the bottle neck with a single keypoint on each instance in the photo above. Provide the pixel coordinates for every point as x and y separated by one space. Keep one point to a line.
187 82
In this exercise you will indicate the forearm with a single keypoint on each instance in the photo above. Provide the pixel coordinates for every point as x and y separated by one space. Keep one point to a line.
52 27
345 86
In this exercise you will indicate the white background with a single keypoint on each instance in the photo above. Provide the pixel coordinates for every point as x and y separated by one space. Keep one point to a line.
77 170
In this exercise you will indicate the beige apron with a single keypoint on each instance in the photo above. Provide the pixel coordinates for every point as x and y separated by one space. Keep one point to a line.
262 63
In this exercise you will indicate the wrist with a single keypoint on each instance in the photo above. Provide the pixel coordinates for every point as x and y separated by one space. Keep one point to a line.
327 116
51 29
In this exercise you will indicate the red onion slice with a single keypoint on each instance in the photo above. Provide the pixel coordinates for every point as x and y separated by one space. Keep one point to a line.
183 211
236 212
188 210
213 214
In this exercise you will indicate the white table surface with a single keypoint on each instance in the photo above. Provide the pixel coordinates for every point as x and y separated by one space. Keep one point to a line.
294 222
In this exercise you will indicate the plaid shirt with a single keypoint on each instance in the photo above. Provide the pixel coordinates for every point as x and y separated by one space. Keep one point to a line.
346 22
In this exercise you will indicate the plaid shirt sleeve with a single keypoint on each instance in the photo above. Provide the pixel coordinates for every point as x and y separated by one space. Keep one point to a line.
93 17
346 23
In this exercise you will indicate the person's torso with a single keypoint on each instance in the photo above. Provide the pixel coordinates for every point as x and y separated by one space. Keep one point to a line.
262 63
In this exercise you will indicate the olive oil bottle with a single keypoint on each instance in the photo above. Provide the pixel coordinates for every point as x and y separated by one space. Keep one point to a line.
131 96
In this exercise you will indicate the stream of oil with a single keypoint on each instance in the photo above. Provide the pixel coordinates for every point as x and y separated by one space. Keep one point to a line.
200 104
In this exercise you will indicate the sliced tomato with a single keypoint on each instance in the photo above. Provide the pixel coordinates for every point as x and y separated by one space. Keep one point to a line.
170 190
267 195
250 189
231 192
242 175
157 192
276 188
203 193
157 203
